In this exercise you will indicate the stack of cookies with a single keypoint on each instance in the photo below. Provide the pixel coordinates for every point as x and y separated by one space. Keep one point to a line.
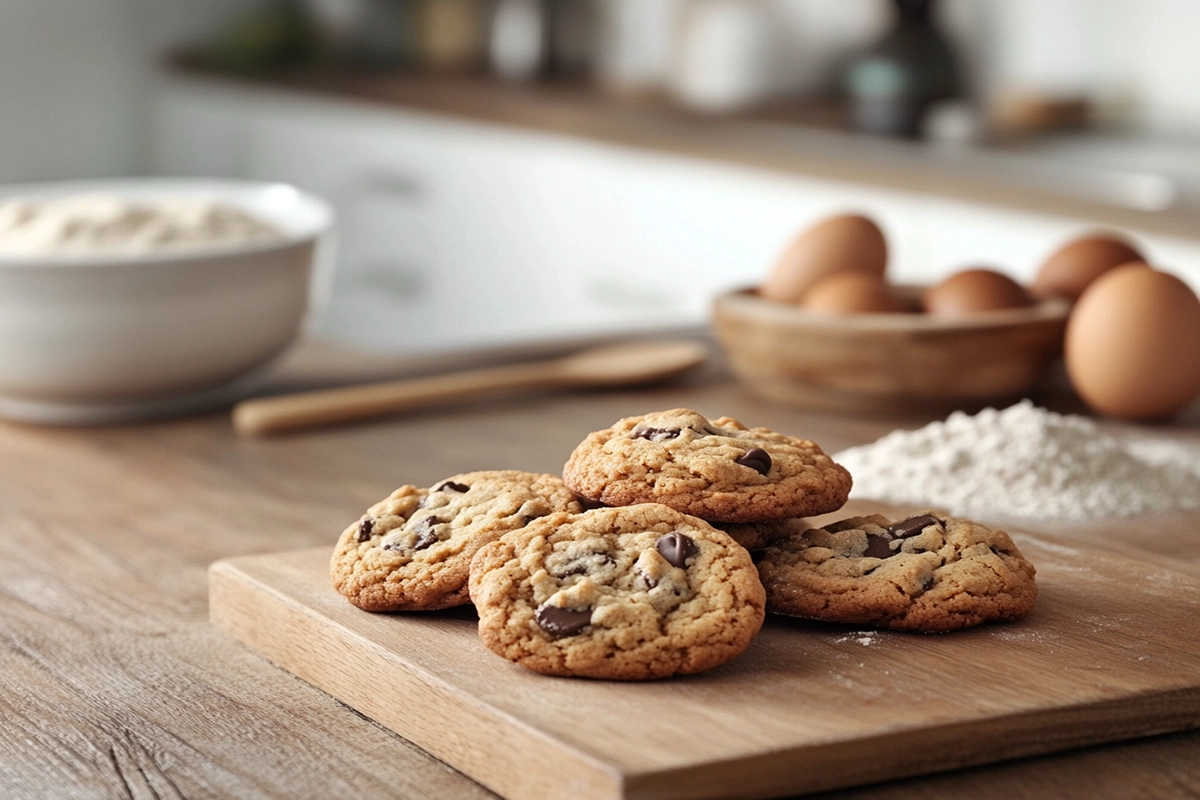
637 563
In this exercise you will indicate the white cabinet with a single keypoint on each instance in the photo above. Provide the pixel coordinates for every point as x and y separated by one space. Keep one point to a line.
451 234
457 234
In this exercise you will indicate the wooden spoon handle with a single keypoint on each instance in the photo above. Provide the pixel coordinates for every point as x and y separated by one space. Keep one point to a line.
267 415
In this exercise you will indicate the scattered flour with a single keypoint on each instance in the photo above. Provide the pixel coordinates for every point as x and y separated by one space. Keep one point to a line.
96 223
1025 461
865 638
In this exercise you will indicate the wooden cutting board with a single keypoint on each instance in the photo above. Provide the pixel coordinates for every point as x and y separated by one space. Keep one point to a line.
1111 651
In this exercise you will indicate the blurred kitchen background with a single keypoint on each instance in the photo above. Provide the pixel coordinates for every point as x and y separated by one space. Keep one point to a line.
516 170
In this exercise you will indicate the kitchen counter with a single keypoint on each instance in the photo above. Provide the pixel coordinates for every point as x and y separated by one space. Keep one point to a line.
114 684
612 214
1104 178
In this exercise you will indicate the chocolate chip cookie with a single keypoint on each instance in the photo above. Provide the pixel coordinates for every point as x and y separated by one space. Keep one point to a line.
627 593
928 573
412 551
720 471
758 535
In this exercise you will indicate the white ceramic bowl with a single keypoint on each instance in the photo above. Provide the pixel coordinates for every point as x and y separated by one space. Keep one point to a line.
104 338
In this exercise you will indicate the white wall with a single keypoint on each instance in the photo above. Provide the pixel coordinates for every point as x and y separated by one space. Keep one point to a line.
1161 49
73 80
163 23
68 88
73 73
1137 58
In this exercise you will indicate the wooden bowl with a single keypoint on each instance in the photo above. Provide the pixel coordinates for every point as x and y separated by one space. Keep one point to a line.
887 362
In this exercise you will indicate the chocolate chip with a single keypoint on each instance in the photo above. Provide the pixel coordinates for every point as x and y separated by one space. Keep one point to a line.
426 536
757 459
559 622
444 486
912 525
878 547
657 434
365 527
676 548
650 582
582 567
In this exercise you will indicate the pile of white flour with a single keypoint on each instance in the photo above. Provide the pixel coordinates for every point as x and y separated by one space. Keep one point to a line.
1025 461
98 223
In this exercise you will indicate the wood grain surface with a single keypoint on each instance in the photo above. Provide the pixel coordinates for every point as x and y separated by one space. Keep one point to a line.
887 362
795 713
113 684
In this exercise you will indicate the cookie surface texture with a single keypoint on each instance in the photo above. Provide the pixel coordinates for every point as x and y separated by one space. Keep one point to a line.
759 535
718 470
629 593
927 573
412 551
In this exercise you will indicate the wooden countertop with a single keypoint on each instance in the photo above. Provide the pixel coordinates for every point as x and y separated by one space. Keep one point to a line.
806 140
114 684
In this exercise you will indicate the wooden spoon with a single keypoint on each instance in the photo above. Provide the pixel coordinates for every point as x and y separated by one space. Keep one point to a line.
607 365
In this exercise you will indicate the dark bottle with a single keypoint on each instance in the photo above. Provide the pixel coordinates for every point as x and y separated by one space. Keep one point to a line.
542 38
898 79
265 39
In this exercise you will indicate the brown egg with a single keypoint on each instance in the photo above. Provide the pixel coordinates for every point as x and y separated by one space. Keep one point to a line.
1072 268
972 291
837 244
1132 346
852 292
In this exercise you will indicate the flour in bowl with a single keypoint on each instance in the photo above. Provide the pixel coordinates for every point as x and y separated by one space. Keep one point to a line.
89 224
1025 461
